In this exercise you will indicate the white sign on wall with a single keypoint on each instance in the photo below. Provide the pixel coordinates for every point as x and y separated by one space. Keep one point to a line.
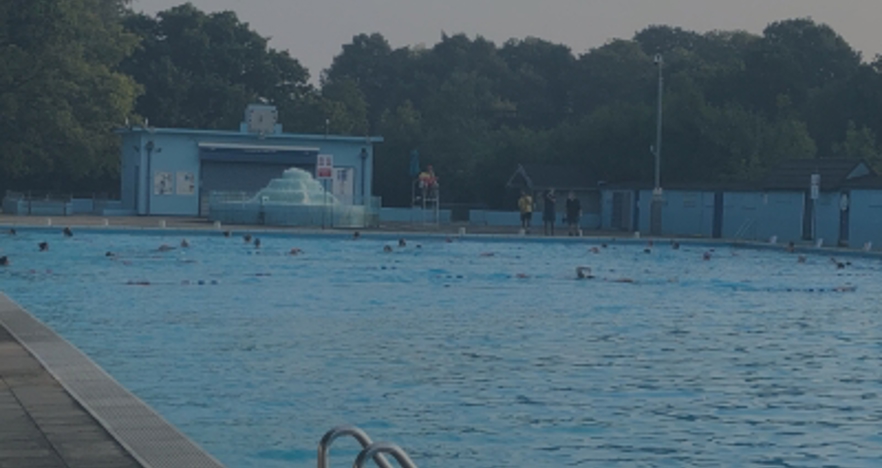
324 167
163 183
186 183
344 184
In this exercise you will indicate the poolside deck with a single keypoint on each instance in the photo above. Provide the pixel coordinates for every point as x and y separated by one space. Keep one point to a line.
42 425
59 409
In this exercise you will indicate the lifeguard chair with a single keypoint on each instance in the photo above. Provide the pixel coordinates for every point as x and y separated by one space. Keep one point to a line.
426 194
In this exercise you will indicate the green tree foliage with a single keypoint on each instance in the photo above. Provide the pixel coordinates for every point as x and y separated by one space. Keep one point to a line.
201 70
60 93
736 103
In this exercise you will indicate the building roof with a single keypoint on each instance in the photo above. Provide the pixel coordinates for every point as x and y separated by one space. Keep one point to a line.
872 181
835 173
542 176
252 136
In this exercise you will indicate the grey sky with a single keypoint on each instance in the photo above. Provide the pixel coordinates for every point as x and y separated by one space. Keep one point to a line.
315 30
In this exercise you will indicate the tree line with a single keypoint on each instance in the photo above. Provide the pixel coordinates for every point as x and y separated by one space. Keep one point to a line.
736 103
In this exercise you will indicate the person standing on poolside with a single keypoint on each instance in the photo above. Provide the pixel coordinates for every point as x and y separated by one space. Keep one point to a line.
574 213
525 205
549 212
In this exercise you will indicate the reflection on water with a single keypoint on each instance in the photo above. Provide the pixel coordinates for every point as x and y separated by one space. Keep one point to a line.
747 359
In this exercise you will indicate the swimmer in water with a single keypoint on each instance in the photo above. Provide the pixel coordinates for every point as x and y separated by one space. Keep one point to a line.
801 259
356 235
295 251
110 255
228 234
184 244
387 248
247 238
594 250
791 247
4 261
44 246
647 250
257 243
583 273
706 256
12 232
402 242
67 232
675 245
165 248
448 240
603 246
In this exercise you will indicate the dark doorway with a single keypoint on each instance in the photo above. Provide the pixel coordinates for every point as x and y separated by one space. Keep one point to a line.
808 215
621 212
635 225
844 210
718 215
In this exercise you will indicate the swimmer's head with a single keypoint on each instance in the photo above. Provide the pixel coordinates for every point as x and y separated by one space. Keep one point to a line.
402 242
67 232
44 246
583 272
257 243
675 246
706 256
4 261
227 233
356 235
387 248
603 245
184 243
12 232
801 259
110 254
247 238
647 250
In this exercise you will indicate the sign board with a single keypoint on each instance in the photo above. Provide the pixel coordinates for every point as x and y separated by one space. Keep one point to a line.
816 186
324 167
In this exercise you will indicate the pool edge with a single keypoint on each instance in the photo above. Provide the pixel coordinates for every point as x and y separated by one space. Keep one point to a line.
136 427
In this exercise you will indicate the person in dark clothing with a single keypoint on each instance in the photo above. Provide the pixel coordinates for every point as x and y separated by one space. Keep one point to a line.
574 213
549 212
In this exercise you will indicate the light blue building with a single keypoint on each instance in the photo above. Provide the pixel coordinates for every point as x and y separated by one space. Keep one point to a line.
174 172
845 209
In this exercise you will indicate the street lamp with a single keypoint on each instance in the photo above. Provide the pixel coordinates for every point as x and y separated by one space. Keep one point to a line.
655 222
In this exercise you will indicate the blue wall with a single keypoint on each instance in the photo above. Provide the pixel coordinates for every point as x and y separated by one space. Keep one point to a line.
177 151
866 218
764 215
827 214
685 213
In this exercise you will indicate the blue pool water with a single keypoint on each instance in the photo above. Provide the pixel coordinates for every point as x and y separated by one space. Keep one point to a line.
736 361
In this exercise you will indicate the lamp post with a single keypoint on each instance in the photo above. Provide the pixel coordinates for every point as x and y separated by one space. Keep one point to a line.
655 221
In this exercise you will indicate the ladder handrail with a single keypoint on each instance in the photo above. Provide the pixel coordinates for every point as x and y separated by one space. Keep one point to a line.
375 449
324 447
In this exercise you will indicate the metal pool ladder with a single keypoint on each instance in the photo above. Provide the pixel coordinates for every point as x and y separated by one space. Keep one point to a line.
370 449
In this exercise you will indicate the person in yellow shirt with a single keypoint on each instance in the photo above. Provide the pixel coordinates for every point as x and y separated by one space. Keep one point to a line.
525 204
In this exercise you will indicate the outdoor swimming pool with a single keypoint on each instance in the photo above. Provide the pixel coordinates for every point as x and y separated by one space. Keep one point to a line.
735 361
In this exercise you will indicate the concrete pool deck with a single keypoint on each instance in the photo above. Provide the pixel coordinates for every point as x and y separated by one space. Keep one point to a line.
59 409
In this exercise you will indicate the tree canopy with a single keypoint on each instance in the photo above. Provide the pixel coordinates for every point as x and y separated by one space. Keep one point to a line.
736 103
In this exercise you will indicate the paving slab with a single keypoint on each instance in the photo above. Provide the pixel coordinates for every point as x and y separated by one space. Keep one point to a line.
60 410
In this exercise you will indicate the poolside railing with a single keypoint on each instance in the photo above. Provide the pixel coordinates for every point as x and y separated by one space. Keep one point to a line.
370 450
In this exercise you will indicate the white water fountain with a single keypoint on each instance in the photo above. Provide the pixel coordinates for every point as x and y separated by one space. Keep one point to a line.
295 187
295 199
